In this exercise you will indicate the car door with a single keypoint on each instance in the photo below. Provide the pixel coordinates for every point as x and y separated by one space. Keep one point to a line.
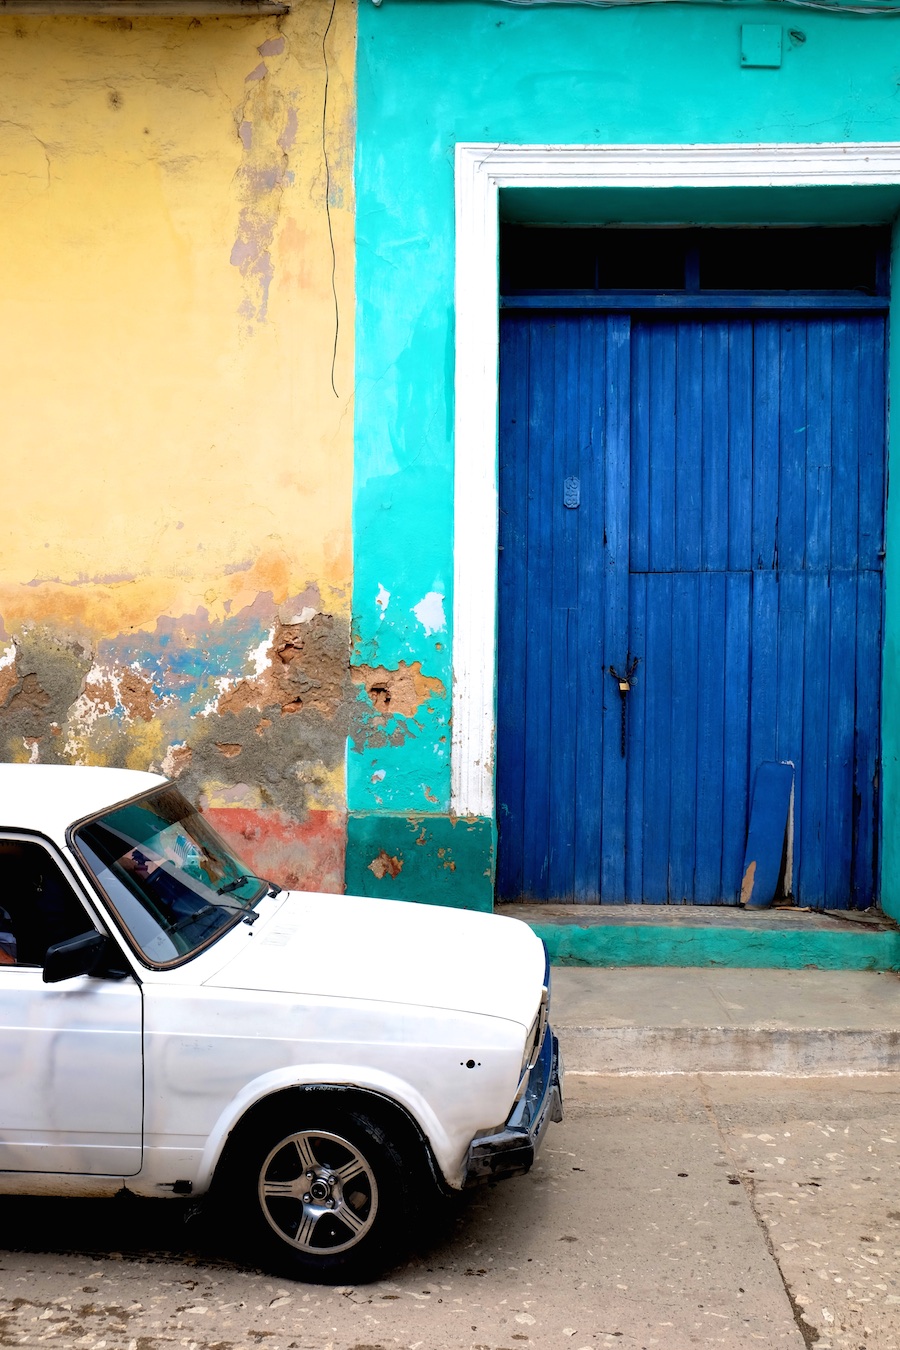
71 1072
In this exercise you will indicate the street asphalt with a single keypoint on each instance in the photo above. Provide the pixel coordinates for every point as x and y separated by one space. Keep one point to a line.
667 1211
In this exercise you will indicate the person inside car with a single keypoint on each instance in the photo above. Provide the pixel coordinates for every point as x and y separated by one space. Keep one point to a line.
8 945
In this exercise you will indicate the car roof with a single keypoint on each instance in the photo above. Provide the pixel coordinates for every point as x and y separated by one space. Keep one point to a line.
49 797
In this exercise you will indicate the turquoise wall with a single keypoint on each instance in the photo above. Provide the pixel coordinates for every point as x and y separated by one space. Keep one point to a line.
432 74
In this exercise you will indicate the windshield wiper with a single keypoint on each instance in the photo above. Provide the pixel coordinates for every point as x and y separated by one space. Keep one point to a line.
249 915
242 881
232 886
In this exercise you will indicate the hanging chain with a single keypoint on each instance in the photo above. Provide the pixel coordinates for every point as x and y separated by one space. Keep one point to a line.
624 683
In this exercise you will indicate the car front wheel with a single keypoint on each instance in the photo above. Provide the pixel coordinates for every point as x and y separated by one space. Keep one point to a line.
327 1197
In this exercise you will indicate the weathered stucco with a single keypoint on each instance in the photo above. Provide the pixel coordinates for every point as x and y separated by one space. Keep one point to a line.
176 555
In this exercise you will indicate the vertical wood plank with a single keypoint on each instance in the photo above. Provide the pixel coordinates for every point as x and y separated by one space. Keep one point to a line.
766 432
819 379
741 366
662 447
714 446
689 400
763 668
513 477
735 802
640 447
562 526
538 600
688 673
814 764
657 738
866 756
872 436
793 432
789 730
841 710
711 743
845 416
591 610
637 744
617 450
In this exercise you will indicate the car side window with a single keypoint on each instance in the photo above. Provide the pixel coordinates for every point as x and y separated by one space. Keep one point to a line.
37 905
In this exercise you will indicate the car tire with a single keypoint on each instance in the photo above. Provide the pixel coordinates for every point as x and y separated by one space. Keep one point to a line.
324 1191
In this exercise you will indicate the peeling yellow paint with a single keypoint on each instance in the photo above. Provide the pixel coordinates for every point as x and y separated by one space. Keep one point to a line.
154 437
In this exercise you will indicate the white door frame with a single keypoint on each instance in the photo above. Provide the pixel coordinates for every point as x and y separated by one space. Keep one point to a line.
481 171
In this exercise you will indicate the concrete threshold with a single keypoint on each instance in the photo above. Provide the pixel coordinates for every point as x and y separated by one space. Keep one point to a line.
713 935
683 1021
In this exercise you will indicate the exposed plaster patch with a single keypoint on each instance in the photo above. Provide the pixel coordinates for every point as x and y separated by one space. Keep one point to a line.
399 692
33 746
112 691
176 759
38 688
8 675
382 600
384 865
301 667
430 613
259 657
276 695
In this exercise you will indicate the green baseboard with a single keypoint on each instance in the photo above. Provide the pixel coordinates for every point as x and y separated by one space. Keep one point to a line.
434 860
648 945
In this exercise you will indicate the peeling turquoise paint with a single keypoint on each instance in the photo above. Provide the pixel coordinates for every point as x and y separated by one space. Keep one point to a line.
386 769
436 861
435 72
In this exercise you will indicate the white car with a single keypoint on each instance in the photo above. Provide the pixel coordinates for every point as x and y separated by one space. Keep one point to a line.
171 1024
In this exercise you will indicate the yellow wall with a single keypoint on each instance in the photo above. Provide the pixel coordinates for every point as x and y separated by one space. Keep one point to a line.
175 556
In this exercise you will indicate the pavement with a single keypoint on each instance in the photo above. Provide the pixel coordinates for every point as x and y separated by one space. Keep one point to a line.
665 1213
751 1205
665 1020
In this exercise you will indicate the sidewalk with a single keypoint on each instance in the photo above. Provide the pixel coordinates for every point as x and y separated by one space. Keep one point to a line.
700 1020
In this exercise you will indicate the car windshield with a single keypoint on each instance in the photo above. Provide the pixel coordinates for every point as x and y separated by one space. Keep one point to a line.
173 883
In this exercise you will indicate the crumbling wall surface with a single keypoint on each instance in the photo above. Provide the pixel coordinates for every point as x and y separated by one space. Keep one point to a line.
175 559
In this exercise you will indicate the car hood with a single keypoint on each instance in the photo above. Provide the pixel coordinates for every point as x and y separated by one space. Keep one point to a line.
390 951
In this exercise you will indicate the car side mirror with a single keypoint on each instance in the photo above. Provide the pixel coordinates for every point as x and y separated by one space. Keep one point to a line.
80 955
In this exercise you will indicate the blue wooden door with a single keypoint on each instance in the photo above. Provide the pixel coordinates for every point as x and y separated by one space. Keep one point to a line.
704 498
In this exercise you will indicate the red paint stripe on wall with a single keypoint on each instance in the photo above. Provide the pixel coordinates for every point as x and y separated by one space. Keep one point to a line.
303 855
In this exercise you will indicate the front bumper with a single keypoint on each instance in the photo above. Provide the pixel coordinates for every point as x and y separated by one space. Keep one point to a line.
512 1150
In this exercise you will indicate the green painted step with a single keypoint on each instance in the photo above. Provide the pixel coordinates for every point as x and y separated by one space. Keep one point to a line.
712 935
